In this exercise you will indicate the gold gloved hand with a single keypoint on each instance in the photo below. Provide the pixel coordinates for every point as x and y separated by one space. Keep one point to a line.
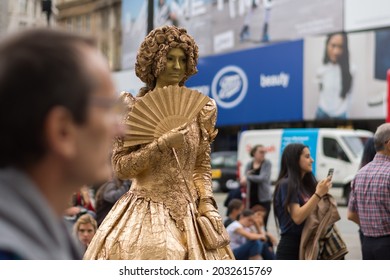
206 208
174 138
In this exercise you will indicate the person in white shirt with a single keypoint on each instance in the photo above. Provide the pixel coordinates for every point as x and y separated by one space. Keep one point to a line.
246 244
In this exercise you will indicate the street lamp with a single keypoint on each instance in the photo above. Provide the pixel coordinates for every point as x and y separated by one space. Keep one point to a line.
150 16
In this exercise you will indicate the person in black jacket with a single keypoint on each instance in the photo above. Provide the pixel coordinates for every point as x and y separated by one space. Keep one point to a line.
107 195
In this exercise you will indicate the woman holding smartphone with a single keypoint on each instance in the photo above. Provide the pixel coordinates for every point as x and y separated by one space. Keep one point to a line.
296 195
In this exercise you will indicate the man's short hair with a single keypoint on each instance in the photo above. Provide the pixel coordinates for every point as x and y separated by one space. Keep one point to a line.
381 136
259 208
254 149
234 204
39 69
247 213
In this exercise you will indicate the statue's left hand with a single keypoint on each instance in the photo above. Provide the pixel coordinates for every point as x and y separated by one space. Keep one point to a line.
207 209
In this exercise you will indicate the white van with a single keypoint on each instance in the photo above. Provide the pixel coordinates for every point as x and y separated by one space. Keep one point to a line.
340 149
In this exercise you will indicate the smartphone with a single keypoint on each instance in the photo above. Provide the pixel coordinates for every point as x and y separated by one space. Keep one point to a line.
330 172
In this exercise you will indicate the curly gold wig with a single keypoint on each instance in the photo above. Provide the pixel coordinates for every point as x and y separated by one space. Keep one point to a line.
152 54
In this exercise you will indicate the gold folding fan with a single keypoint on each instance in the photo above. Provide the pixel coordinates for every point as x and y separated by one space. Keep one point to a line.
160 111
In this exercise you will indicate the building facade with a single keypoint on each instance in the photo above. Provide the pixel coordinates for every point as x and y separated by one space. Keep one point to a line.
21 14
3 16
99 18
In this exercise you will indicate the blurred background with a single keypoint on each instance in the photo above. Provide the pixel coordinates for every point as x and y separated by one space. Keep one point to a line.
268 82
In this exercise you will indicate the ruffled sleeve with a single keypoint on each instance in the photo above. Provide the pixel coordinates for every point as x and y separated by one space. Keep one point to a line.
202 173
207 121
128 162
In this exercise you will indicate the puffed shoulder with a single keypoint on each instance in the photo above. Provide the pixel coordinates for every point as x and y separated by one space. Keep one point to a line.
127 99
208 118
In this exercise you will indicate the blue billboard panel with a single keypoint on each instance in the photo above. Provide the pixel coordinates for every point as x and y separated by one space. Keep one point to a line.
254 86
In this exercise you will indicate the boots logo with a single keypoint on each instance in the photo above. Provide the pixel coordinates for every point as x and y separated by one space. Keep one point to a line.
229 86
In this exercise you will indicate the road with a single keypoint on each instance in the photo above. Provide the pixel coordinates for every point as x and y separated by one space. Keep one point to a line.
348 229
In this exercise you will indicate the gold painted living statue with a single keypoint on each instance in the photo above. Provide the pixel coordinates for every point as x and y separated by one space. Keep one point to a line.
158 218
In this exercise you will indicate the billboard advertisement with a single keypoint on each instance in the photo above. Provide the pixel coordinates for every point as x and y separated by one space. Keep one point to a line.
134 28
344 76
258 85
366 14
221 26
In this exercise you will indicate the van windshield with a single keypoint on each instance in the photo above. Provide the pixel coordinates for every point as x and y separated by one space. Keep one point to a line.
355 144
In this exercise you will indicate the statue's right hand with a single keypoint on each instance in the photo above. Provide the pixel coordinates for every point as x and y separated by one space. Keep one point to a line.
175 137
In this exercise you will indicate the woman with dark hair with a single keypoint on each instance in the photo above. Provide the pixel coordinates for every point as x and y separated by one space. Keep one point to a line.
257 178
296 195
335 79
156 218
107 195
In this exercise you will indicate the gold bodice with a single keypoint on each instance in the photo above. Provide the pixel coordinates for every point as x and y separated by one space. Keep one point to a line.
156 174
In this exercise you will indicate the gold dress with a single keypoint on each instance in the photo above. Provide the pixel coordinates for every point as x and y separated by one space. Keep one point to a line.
154 219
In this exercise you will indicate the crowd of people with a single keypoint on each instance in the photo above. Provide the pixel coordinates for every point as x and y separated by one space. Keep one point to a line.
152 194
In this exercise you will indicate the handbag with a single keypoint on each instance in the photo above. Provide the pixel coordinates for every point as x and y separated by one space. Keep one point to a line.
211 239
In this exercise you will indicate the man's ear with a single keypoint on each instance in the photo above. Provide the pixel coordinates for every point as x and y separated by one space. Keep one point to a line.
61 132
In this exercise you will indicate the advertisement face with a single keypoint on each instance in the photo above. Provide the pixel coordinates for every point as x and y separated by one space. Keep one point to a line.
323 82
254 86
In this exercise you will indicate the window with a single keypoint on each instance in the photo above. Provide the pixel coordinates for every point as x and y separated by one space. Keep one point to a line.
23 7
69 24
333 149
22 24
355 144
87 22
104 49
104 20
78 24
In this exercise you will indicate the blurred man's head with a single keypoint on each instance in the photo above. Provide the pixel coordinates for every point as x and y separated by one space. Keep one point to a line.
382 139
56 97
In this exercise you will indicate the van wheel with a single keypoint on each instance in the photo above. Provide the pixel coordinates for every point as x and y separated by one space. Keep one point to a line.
346 193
